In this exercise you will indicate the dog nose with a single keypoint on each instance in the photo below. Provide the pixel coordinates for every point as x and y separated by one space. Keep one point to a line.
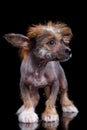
68 51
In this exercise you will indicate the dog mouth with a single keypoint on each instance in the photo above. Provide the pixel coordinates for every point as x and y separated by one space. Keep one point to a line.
47 56
66 58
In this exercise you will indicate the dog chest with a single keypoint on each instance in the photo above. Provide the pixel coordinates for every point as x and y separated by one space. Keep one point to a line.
36 80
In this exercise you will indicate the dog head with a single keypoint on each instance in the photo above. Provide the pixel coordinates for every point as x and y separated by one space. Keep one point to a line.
48 41
51 41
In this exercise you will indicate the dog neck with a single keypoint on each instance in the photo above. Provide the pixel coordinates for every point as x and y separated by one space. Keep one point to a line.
37 62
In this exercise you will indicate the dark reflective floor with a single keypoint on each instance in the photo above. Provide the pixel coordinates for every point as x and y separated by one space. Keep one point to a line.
68 121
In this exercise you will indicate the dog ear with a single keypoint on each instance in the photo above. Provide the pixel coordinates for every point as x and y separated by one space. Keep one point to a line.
17 40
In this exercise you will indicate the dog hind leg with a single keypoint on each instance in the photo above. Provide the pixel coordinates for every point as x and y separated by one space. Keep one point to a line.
67 104
47 91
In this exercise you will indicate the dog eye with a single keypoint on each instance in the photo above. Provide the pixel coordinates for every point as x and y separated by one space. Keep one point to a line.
52 42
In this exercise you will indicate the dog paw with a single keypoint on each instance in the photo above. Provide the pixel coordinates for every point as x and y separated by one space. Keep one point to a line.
71 108
50 118
28 116
69 115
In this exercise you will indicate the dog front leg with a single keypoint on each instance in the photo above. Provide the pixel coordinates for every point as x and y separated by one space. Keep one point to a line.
30 97
50 114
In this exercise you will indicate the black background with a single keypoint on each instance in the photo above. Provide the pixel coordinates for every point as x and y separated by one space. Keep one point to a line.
16 17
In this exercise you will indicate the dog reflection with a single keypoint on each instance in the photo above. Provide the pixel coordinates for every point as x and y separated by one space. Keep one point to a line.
65 121
28 126
50 125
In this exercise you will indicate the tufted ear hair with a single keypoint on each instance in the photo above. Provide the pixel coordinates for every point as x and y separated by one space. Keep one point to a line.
17 40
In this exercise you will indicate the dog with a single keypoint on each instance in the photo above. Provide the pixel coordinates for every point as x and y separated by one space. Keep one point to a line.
42 50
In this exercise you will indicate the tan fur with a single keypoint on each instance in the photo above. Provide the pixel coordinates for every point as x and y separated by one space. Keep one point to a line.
47 91
28 103
65 100
23 52
34 31
58 27
51 111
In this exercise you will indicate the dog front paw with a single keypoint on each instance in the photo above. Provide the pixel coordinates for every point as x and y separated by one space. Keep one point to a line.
70 108
50 115
28 116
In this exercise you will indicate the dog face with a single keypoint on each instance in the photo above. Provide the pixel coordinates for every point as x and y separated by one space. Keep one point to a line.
51 41
46 41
